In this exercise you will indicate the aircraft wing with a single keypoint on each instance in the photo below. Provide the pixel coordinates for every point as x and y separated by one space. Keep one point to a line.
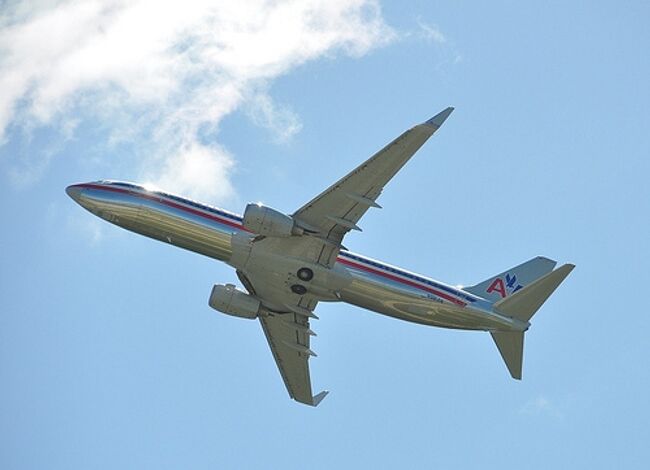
328 217
288 336
337 210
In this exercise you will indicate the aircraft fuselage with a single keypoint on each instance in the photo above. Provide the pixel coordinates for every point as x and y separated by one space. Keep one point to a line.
210 231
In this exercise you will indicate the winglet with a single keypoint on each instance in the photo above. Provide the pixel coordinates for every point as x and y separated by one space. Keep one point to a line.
437 120
319 398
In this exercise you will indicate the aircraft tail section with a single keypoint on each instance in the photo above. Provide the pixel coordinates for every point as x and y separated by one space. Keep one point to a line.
525 302
522 305
507 283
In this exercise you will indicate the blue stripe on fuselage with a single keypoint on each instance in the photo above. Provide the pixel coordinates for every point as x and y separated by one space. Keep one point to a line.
234 221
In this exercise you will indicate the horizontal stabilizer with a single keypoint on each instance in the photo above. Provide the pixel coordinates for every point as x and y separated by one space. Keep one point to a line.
525 302
511 347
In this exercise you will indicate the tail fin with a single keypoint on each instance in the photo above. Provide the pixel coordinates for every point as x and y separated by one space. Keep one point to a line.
507 283
522 305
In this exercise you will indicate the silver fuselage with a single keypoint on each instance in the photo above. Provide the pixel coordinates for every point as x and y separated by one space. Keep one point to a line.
209 231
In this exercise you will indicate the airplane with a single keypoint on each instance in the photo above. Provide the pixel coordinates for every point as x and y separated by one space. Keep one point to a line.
289 263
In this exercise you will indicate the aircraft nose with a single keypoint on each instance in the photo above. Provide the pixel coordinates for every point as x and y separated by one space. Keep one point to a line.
74 191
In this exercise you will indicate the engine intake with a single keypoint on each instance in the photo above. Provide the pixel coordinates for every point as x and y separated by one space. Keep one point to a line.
231 301
269 222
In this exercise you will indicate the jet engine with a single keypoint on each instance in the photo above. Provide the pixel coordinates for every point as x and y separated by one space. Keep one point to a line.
269 222
232 301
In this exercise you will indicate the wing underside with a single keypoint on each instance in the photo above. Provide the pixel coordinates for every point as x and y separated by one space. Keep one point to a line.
288 336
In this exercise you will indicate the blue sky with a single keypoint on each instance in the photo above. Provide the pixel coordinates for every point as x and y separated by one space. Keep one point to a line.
109 354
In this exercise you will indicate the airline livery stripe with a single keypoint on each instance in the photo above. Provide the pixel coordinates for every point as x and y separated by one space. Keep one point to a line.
205 213
435 292
221 220
158 198
408 275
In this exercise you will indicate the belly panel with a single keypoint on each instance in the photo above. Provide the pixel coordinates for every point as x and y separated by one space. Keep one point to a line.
406 304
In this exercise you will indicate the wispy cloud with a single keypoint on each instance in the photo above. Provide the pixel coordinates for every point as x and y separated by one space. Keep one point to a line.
164 74
541 405
280 120
431 32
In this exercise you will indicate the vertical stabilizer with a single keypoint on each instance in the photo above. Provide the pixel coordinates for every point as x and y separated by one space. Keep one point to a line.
507 283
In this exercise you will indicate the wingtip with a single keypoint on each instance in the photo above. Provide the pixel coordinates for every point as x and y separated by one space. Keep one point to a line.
319 398
437 120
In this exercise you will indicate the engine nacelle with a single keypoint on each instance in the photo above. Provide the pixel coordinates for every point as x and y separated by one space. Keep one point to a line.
269 222
231 301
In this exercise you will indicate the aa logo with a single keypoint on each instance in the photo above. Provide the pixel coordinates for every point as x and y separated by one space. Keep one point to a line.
504 287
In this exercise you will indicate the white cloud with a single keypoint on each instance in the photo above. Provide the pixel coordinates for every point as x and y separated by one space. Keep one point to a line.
166 73
280 120
199 166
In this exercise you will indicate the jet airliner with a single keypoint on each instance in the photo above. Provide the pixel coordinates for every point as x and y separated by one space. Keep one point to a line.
287 263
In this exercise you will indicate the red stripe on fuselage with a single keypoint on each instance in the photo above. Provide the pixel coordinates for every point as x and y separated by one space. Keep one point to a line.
162 200
222 220
442 295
